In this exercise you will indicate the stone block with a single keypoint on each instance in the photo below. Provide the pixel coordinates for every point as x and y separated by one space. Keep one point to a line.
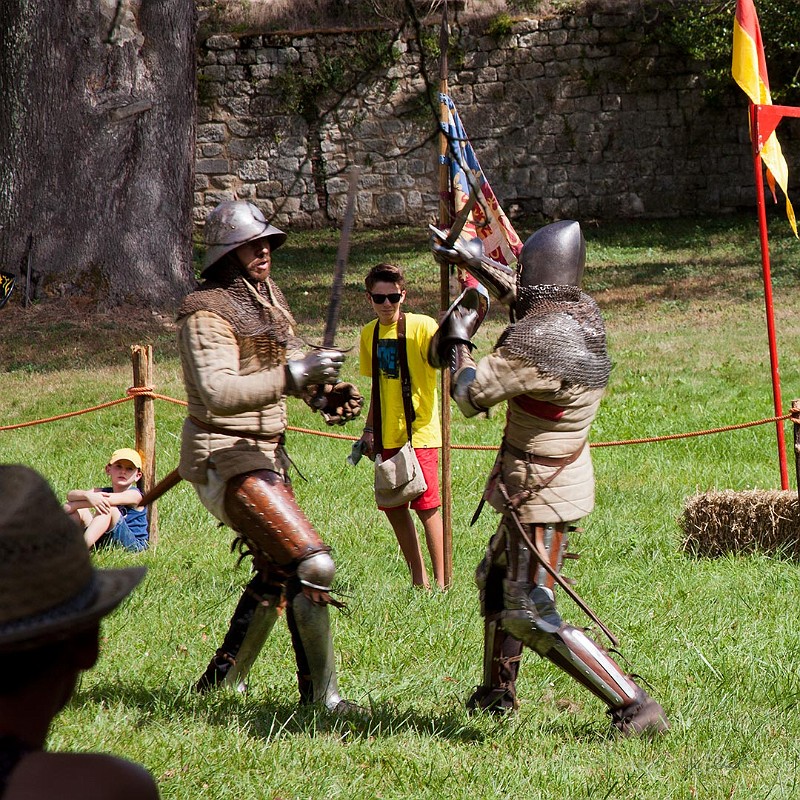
221 42
212 166
390 204
211 133
243 149
223 182
213 72
253 170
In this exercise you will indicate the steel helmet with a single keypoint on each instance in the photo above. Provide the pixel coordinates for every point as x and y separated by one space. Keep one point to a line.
554 255
233 223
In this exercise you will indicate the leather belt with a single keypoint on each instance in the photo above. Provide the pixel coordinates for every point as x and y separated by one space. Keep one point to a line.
276 438
545 461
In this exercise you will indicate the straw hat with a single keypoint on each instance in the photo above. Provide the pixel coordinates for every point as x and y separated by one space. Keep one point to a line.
48 586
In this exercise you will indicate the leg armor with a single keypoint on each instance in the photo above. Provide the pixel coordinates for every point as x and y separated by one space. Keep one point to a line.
531 616
309 625
285 548
250 625
501 652
261 505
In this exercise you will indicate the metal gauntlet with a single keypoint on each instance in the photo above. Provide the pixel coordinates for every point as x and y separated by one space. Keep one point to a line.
318 367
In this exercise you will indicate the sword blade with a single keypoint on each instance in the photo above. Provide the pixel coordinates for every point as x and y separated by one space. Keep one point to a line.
335 302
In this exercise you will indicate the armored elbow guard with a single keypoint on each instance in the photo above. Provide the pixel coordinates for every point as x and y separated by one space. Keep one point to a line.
462 368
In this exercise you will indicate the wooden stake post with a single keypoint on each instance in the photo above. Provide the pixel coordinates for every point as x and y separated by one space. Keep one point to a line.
145 427
795 416
445 220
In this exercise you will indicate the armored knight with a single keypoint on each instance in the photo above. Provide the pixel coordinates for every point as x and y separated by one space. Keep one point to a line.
552 367
241 358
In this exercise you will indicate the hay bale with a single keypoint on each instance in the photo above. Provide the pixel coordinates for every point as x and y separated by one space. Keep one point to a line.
715 523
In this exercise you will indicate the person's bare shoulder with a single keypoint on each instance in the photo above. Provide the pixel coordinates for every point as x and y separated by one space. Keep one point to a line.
80 776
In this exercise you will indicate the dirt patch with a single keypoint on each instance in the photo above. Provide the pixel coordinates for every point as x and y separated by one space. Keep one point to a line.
72 332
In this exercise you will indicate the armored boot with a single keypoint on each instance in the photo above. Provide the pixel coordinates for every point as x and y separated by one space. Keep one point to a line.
643 716
532 617
309 625
631 709
501 656
250 625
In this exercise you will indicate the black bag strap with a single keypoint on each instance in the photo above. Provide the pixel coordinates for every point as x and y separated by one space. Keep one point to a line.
405 383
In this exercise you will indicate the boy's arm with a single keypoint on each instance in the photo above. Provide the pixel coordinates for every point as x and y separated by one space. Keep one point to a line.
368 436
89 498
130 497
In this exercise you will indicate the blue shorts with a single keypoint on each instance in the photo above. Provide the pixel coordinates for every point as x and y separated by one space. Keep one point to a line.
122 536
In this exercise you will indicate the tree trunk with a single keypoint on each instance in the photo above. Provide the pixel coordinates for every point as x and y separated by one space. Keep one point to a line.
97 148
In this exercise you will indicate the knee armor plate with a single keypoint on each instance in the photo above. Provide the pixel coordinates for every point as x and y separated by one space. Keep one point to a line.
317 571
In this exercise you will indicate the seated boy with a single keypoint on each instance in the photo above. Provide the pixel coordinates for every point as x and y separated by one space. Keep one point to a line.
113 516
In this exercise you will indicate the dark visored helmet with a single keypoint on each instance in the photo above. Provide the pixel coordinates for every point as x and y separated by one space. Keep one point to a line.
554 255
233 223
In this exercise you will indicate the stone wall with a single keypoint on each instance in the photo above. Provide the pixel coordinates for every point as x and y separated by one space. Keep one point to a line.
586 117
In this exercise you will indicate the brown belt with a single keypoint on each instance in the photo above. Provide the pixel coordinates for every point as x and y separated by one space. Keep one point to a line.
277 438
545 461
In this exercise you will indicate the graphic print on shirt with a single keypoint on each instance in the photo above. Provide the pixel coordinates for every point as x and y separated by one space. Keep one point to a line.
388 361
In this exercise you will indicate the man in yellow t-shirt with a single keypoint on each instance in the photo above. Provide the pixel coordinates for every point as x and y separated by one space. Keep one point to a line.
386 293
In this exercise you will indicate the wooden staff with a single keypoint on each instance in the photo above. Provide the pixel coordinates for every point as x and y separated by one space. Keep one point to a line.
145 426
445 219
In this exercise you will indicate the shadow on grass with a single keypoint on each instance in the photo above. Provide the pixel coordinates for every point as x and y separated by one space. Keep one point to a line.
274 717
630 263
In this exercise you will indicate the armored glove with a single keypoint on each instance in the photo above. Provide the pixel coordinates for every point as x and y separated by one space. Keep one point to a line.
499 279
341 403
461 253
318 367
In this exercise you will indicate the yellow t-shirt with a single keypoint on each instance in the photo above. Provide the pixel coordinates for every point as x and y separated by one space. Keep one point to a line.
426 429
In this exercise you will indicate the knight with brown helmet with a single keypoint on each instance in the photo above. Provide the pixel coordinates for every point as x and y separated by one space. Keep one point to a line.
552 367
241 358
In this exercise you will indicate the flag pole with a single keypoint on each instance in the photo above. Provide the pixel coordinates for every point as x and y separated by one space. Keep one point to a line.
445 220
765 268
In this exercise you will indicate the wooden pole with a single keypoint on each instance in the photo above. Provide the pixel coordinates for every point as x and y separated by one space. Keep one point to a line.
796 421
765 269
145 427
445 220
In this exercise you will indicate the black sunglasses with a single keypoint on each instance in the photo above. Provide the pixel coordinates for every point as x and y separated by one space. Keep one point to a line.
380 299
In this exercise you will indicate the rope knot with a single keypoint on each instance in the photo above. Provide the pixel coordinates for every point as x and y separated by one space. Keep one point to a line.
140 391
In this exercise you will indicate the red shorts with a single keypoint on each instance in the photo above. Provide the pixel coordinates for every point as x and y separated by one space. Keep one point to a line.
429 461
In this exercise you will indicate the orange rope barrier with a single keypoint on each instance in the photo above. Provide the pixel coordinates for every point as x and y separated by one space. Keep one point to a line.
64 416
672 436
147 391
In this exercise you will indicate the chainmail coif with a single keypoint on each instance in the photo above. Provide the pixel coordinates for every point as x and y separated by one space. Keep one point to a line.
561 333
225 293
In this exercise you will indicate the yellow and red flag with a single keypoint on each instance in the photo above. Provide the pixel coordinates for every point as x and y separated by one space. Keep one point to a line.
749 70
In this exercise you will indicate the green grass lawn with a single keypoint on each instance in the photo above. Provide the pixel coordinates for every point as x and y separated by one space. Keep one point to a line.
717 641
